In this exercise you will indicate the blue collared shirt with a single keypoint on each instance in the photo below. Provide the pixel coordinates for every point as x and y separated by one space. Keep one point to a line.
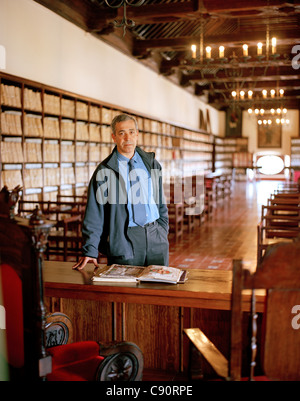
146 195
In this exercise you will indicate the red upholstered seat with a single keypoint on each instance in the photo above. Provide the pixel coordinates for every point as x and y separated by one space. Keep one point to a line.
13 302
75 362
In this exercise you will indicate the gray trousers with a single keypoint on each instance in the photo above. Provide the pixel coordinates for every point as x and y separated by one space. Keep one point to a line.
150 245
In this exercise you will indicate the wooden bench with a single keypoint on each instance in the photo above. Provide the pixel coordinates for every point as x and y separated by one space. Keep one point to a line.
284 201
289 186
288 211
278 222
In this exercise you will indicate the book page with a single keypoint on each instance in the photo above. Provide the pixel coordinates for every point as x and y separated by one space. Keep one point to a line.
161 273
123 271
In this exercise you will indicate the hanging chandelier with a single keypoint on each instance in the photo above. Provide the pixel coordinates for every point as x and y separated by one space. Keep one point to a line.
125 22
268 106
239 91
220 56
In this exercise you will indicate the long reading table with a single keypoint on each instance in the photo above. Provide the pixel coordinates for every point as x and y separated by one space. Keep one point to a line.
152 315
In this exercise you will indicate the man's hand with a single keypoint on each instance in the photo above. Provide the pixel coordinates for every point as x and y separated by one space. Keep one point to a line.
83 261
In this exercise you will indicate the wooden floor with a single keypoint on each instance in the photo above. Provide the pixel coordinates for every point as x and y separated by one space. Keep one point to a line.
229 234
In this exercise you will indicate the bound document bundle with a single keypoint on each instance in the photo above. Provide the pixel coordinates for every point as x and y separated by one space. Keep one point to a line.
130 274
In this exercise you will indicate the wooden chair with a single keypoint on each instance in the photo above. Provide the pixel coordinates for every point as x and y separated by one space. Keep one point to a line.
54 210
189 220
65 240
72 198
279 275
210 194
176 213
27 330
209 203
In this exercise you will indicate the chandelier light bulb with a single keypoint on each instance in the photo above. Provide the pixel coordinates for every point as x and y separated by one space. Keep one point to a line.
282 121
233 93
208 51
287 121
250 94
259 122
269 122
193 48
284 111
245 50
259 48
256 111
272 92
221 51
264 92
277 120
272 111
281 92
274 45
265 122
261 111
250 111
242 94
278 111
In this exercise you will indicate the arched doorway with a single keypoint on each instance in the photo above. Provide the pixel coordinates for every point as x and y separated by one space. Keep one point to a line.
270 165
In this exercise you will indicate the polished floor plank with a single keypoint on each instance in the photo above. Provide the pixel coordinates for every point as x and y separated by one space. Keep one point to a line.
229 234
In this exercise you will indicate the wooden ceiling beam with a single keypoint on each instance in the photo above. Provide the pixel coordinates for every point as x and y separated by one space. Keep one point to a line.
220 103
228 40
187 10
258 86
257 100
240 5
179 10
75 11
153 13
271 75
86 15
230 72
212 79
192 9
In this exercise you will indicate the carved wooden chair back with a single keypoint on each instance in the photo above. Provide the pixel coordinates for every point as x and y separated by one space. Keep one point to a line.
26 327
21 291
279 275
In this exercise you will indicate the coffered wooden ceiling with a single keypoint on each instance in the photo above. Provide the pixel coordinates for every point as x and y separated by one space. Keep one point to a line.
164 31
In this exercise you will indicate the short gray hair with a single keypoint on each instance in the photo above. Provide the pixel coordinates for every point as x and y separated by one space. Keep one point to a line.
122 117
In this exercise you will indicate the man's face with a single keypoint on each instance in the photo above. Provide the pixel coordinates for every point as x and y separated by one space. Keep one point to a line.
126 138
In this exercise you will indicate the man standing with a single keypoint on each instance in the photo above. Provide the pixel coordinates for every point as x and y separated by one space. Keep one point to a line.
126 216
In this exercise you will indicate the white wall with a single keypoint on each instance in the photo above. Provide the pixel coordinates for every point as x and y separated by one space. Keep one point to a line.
44 47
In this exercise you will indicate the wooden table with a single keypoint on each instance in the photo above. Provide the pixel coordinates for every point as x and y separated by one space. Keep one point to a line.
151 315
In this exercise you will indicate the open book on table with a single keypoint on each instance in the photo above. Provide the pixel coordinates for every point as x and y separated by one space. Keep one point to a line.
129 274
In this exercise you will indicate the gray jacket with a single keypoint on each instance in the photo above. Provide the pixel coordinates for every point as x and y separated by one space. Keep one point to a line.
106 218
